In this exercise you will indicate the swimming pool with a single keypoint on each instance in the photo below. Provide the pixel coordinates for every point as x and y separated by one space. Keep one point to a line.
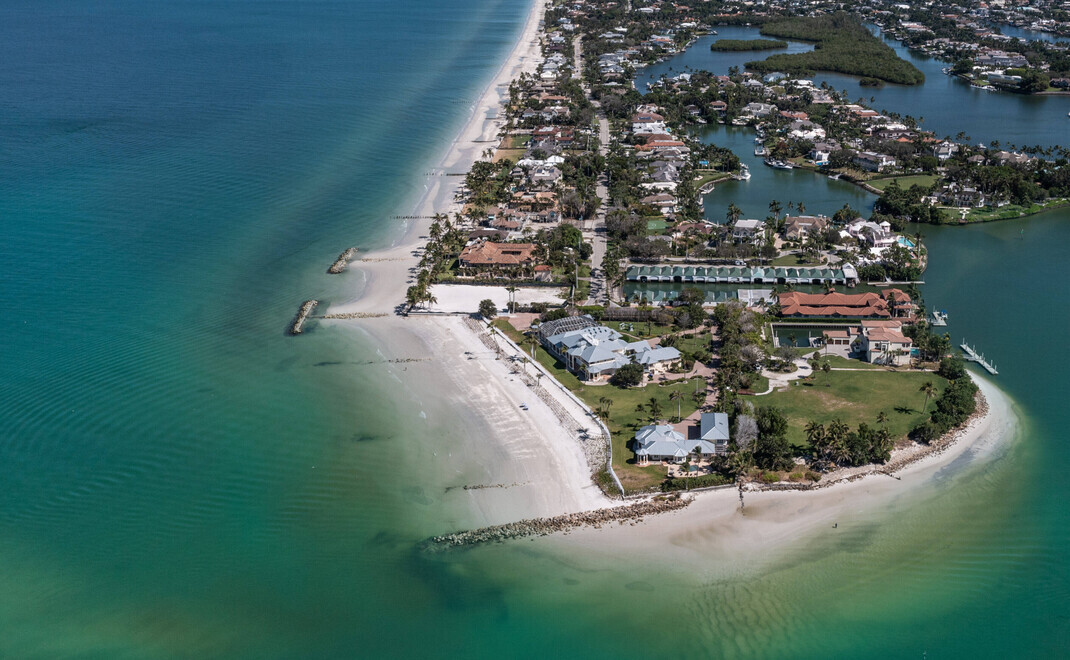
906 242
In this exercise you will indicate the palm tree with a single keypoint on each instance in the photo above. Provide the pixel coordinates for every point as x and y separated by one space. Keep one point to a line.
815 432
733 213
930 391
774 208
882 418
532 341
827 368
677 396
655 409
802 208
825 341
512 297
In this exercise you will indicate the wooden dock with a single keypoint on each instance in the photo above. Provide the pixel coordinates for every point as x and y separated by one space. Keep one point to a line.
303 312
973 356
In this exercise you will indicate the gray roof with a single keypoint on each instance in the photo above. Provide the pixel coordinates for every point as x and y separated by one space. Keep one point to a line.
655 355
714 427
662 440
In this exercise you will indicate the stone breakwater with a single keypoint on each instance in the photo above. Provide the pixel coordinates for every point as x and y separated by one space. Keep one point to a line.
354 315
303 312
342 261
630 514
896 464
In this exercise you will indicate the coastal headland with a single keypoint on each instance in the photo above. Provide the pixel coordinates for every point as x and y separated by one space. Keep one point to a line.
537 447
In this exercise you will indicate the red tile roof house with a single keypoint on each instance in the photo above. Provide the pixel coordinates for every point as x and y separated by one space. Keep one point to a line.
843 305
489 256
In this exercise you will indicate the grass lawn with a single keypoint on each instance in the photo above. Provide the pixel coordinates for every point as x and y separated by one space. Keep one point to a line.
511 155
794 260
624 420
854 397
706 176
1011 211
923 180
515 141
623 417
838 362
656 224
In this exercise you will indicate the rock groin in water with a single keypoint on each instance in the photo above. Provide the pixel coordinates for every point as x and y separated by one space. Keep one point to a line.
564 523
302 315
342 261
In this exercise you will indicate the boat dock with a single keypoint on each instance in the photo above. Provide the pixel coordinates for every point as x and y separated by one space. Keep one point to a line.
342 261
303 313
973 356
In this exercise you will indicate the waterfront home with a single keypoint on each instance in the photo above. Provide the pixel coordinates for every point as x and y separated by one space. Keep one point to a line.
713 428
805 130
887 304
873 162
945 150
747 231
797 227
963 196
877 235
759 109
821 153
661 443
884 343
595 352
720 107
490 256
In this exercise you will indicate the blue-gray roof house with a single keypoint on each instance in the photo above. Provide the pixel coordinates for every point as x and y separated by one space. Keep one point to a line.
594 351
713 428
659 442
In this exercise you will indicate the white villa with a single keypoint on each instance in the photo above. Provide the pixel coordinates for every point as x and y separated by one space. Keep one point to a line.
660 442
595 352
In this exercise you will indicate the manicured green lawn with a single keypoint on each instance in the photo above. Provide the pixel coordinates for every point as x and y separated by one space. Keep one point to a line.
837 362
624 420
707 176
656 224
923 180
855 397
793 260
1011 211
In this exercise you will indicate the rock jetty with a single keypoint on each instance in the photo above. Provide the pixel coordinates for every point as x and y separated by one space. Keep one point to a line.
303 313
342 261
544 526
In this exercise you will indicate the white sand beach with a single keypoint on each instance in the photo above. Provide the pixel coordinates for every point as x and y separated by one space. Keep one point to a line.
536 460
715 525
385 274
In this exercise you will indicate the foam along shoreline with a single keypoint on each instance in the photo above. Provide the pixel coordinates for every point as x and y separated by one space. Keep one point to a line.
386 273
772 521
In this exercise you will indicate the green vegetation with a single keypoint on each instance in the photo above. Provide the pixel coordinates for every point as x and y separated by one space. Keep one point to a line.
923 180
619 409
854 397
747 44
953 407
843 45
700 481
1011 211
487 308
794 259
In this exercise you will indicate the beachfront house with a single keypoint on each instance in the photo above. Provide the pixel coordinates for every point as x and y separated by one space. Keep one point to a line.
487 256
594 352
661 443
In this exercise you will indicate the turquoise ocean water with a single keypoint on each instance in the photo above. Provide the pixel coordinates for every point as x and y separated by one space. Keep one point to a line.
180 479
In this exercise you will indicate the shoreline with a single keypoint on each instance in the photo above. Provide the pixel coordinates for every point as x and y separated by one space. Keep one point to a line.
387 272
488 394
772 522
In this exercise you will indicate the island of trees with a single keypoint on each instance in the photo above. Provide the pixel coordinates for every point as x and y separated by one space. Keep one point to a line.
842 45
747 44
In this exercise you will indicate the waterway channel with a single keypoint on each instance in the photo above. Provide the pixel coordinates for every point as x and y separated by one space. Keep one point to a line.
947 105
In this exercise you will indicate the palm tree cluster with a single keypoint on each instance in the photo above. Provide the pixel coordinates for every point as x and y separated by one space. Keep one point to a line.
837 445
444 241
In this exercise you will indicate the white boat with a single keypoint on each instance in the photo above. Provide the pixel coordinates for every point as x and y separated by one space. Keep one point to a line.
835 176
760 150
778 164
744 172
939 318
